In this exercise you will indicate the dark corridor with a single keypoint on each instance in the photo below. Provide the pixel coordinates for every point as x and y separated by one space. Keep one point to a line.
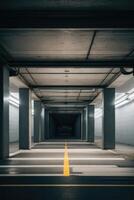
65 126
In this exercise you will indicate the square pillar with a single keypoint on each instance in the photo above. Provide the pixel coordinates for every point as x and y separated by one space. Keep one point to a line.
46 124
108 118
43 123
25 118
84 125
91 123
87 126
4 112
37 121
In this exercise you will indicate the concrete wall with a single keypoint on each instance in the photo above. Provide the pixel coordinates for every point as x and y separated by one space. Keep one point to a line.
13 123
124 126
98 127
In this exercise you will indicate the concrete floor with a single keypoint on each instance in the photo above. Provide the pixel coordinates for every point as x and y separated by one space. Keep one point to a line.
85 159
94 173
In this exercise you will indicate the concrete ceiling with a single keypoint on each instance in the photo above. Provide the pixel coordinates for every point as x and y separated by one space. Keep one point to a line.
67 44
40 44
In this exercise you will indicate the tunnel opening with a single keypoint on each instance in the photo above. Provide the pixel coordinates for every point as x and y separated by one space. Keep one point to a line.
65 126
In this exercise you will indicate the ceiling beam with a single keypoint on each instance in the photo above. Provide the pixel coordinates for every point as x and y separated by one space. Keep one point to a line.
56 108
66 87
65 96
66 19
74 64
91 44
66 102
64 111
67 105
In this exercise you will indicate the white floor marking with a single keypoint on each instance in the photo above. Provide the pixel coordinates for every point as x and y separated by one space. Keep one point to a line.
79 159
15 153
55 166
62 150
30 166
113 152
14 174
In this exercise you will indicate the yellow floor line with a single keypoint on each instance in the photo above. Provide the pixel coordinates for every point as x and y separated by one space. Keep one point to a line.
66 171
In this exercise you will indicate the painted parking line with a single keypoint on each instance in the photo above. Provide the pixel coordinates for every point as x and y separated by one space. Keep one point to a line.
66 169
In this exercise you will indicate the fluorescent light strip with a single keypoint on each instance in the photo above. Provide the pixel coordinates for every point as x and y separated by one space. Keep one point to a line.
99 115
123 98
11 98
98 112
13 103
121 103
131 96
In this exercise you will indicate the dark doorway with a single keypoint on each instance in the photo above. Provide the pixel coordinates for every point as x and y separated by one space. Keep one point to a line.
65 125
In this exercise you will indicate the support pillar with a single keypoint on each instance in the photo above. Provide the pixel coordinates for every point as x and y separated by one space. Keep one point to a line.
91 123
108 118
37 121
46 124
84 124
4 112
87 126
42 123
25 117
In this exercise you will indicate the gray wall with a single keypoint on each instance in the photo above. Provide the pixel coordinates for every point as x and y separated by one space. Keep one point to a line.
124 126
98 127
13 123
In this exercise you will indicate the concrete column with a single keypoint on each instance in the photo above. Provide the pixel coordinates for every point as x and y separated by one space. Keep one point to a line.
86 123
108 118
4 112
91 123
82 124
25 118
46 124
37 120
42 123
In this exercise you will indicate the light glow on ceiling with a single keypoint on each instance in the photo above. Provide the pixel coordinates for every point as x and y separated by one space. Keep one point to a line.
120 100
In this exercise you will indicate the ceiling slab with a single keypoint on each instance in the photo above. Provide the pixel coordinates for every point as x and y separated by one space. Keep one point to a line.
67 70
112 45
71 79
45 44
